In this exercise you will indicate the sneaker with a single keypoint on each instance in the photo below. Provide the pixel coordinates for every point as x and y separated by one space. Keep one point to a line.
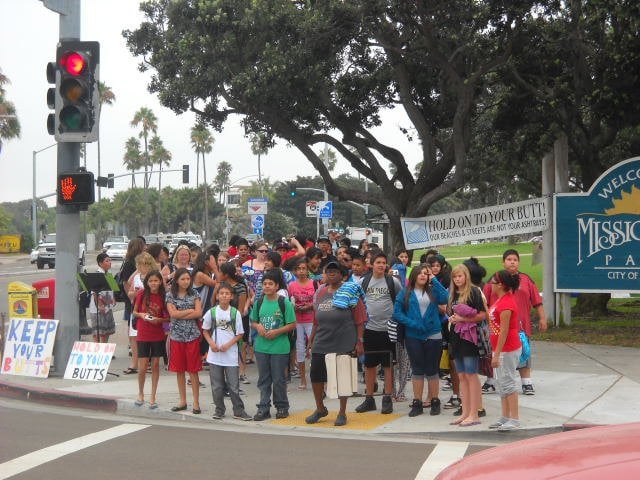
368 405
528 390
217 415
316 416
416 408
261 415
435 406
458 412
387 405
453 402
488 388
242 416
498 423
509 425
341 420
244 380
282 413
481 412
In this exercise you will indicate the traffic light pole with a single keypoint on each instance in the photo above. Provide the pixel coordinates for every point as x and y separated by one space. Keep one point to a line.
67 218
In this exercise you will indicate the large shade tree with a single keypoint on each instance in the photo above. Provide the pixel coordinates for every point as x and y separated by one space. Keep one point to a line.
322 72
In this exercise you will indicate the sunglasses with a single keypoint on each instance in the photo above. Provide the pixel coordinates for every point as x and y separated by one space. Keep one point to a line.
263 251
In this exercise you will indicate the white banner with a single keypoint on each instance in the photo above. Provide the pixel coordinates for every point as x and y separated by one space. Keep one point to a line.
480 224
89 361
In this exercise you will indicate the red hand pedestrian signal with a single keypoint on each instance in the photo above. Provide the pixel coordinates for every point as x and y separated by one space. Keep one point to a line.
67 187
76 188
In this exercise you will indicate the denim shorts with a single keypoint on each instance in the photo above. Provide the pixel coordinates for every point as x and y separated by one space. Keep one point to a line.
467 364
424 356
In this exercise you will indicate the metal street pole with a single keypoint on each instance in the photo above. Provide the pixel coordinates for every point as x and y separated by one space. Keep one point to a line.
67 219
34 210
325 221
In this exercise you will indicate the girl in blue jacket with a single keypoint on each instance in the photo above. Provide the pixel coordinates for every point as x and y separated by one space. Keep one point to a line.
416 307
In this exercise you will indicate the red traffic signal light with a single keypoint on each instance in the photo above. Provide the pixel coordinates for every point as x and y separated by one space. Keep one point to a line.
76 188
73 63
76 98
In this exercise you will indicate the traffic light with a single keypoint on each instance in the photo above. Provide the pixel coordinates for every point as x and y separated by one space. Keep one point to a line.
76 97
76 189
185 173
110 180
292 191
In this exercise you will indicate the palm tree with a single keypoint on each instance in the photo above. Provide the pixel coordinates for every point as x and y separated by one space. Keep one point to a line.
259 146
159 155
149 124
202 142
221 182
9 124
107 97
132 157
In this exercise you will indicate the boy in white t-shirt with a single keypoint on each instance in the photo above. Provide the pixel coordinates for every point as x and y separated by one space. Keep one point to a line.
222 331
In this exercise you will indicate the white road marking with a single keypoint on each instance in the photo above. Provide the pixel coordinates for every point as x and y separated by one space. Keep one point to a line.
39 457
442 456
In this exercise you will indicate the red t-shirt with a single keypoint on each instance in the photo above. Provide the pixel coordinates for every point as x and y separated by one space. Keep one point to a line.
150 331
504 303
526 297
302 295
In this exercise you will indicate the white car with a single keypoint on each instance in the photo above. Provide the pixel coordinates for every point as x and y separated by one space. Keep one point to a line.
117 251
33 256
114 239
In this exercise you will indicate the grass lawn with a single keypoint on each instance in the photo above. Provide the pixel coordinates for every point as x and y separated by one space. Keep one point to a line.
490 257
620 328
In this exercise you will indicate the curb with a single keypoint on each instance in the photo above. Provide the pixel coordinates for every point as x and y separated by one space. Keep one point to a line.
58 398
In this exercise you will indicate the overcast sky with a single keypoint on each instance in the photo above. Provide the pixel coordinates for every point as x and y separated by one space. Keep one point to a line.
28 39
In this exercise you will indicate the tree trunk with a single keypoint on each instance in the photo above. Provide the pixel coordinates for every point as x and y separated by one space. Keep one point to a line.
592 304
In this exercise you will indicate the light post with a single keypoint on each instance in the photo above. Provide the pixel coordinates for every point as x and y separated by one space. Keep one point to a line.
34 220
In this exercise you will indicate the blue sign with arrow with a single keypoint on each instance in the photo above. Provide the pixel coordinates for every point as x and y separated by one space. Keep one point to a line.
326 209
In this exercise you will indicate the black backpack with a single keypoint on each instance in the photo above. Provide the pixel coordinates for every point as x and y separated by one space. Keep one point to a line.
390 285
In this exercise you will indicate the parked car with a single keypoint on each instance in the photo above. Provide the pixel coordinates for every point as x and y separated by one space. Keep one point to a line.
594 453
47 252
117 251
33 256
114 239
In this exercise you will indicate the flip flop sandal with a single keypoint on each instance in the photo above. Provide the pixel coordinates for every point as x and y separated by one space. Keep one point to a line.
130 370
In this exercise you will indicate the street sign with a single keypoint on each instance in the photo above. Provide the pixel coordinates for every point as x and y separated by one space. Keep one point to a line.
311 208
257 206
325 209
258 231
257 221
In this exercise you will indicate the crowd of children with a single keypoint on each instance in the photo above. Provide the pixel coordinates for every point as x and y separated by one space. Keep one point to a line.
281 308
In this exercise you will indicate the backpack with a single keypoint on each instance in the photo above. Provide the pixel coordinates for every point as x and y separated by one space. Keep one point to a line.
120 294
390 285
395 330
233 312
282 307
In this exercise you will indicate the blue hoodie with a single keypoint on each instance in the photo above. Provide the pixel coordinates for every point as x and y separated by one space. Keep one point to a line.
418 326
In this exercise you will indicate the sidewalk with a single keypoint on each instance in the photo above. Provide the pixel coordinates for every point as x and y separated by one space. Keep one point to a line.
575 385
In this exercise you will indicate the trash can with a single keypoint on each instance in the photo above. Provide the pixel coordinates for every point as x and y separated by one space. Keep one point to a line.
46 297
22 300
